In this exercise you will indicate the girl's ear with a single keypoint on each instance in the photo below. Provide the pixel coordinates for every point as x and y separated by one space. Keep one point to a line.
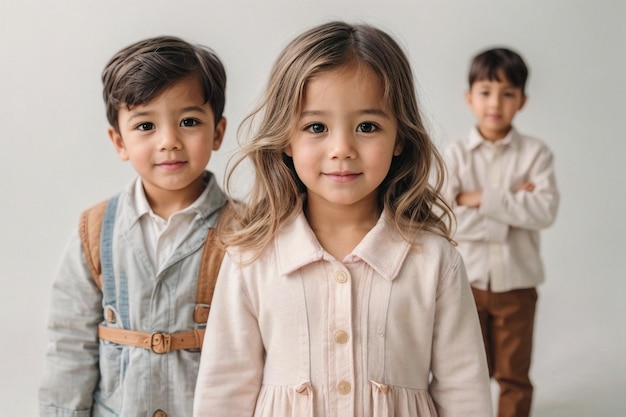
397 150
287 151
118 143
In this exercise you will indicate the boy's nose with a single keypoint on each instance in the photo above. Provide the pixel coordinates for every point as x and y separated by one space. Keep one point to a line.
495 100
169 140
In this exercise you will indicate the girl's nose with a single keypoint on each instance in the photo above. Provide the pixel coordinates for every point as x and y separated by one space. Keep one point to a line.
341 145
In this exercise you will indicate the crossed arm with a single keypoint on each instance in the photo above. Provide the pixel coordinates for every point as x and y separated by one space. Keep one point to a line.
472 199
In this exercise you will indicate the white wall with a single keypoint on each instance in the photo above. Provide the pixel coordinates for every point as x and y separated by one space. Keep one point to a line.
56 159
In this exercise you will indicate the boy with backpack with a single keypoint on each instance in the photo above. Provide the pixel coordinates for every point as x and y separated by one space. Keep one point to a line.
132 293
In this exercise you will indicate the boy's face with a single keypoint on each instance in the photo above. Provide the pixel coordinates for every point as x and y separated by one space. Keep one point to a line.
169 141
495 104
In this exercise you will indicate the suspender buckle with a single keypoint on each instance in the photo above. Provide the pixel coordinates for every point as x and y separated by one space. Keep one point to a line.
160 342
201 313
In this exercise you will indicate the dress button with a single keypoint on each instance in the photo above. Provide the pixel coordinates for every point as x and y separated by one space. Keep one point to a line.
341 337
343 387
341 277
159 413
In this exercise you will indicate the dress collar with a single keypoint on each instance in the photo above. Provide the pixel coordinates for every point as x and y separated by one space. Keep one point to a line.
382 248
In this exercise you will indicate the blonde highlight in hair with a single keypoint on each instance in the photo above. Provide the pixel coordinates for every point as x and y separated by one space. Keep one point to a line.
416 204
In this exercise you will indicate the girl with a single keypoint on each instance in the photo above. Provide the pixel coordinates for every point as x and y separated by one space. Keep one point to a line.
341 294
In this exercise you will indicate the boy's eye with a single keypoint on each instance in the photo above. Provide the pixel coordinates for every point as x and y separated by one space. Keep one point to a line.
145 126
316 128
188 122
366 127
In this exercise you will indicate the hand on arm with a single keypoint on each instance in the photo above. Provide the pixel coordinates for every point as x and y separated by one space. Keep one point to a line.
527 186
470 199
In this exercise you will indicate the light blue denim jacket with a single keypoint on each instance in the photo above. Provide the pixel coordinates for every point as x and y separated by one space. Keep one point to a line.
86 377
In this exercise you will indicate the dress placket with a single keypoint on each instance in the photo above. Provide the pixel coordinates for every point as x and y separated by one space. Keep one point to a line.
341 340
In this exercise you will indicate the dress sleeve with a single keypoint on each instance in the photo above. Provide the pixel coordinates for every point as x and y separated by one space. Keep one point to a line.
460 385
71 371
231 365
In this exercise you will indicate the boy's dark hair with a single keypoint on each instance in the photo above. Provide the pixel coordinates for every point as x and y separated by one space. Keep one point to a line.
141 71
487 64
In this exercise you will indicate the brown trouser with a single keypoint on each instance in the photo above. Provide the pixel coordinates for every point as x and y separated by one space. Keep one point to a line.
507 320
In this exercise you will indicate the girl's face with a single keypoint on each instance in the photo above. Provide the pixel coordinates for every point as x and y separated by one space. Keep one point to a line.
345 138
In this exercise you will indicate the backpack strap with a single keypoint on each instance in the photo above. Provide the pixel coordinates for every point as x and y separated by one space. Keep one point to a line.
96 236
210 263
89 229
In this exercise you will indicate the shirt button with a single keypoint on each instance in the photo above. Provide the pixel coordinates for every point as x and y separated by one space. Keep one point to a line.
341 277
343 387
341 337
159 413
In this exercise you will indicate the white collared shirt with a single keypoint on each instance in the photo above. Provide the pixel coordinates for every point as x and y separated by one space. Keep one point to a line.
499 240
161 237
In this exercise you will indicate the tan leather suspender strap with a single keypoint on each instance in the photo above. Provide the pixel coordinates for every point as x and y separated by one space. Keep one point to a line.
90 228
210 263
157 342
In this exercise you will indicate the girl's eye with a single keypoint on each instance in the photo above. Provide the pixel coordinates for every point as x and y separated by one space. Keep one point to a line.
145 126
366 127
316 128
188 122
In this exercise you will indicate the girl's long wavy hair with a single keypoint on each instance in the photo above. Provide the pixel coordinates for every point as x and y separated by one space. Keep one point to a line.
411 190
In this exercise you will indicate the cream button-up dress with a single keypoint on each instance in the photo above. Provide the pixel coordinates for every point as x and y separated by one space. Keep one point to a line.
391 330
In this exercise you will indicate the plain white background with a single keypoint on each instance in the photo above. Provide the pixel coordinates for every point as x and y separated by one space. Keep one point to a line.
56 159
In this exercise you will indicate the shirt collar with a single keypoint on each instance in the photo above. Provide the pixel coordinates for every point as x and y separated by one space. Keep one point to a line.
210 200
475 139
383 249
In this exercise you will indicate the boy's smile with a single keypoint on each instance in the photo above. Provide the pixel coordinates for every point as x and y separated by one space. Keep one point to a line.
172 165
169 142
